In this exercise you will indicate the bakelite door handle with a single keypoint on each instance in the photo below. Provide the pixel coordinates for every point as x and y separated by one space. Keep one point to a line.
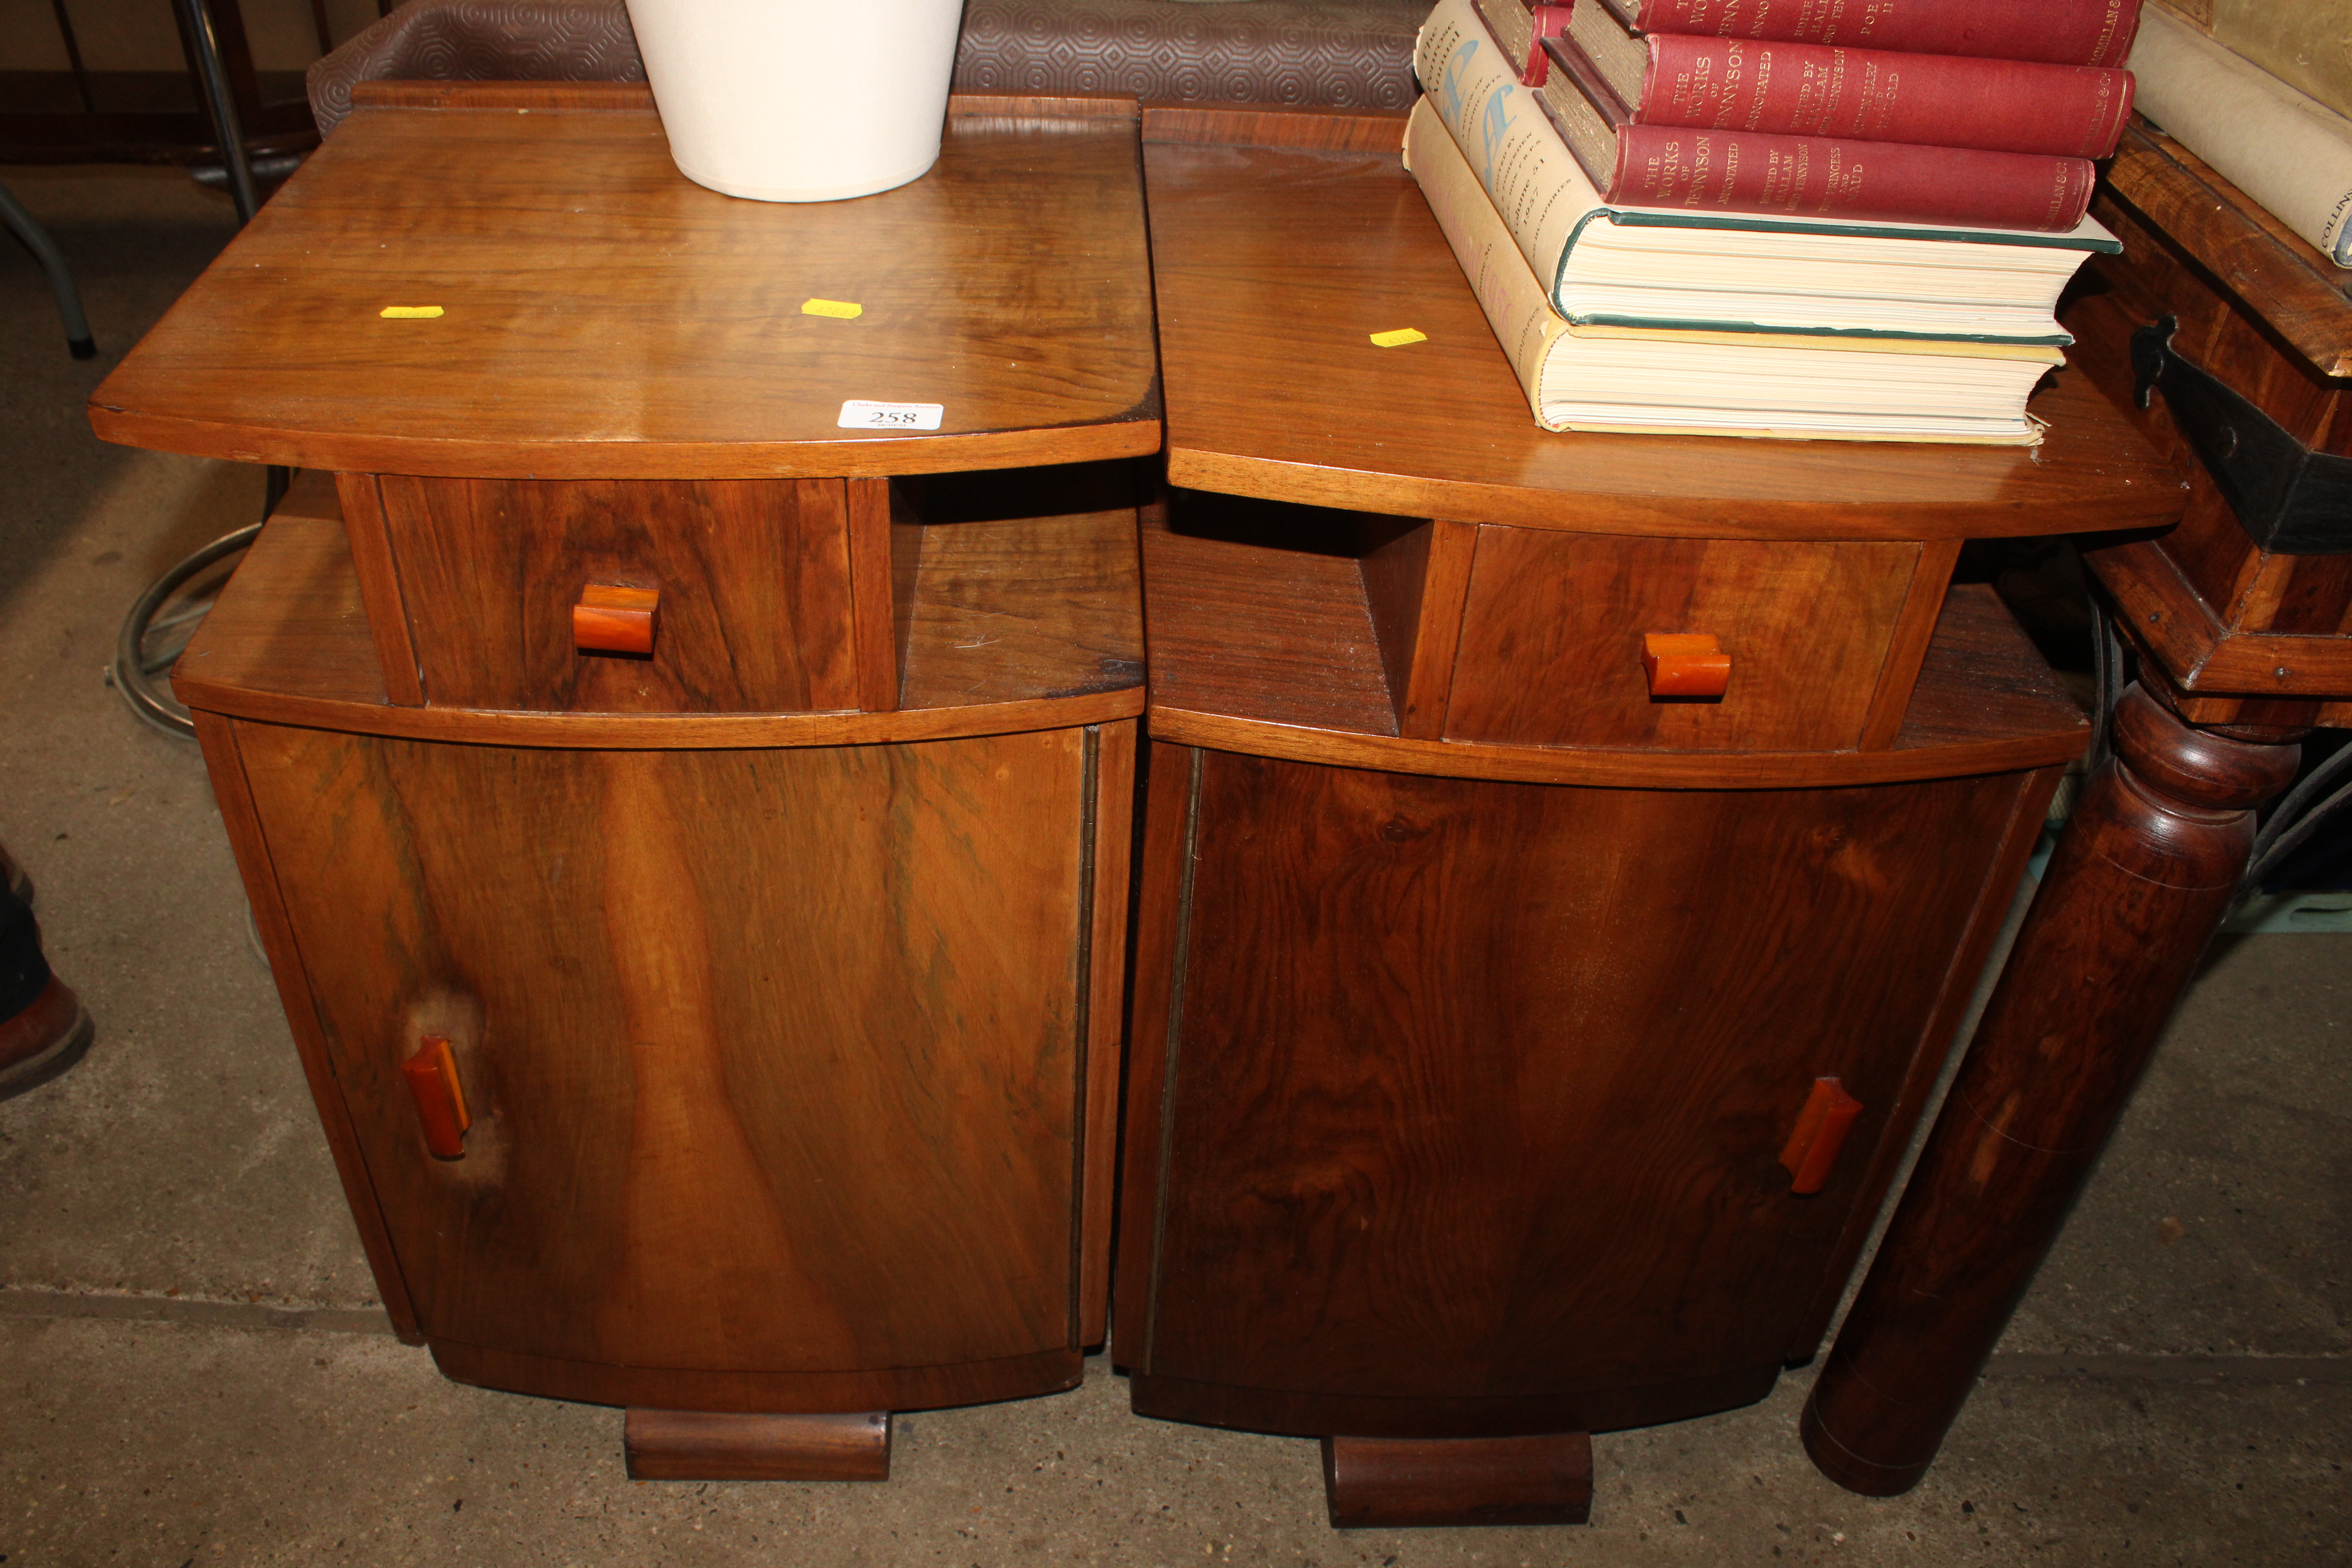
432 1075
1822 1127
1684 664
613 619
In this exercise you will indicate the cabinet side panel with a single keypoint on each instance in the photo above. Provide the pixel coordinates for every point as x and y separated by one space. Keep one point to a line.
877 647
1114 825
1915 628
387 611
225 763
1161 917
1484 1086
771 1054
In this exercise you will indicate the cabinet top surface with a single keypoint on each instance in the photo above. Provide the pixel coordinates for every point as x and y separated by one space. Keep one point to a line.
603 317
1273 265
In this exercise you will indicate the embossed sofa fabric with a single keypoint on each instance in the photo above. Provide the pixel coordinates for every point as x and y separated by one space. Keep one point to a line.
1340 54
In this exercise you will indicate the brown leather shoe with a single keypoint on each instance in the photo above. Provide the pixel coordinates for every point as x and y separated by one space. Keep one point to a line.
43 1028
44 1039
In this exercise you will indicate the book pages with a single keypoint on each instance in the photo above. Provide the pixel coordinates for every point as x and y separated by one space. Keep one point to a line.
1709 383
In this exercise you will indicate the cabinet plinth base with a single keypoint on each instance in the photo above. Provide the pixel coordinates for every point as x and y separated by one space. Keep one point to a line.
1394 1482
714 1446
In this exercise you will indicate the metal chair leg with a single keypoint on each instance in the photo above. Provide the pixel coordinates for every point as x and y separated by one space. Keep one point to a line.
53 262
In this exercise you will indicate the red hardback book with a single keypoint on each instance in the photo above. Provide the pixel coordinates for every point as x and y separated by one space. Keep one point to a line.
1943 101
1814 176
2059 32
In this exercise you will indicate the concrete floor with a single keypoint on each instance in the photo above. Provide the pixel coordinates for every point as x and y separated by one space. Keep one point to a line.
192 1368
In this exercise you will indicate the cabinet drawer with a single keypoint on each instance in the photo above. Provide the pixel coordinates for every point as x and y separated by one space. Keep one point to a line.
752 578
1553 629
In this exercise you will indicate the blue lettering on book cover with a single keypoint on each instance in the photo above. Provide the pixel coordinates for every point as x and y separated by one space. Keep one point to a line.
1491 127
1452 84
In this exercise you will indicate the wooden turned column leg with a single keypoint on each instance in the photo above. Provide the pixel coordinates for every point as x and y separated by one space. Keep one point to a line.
712 1445
2142 877
1405 1482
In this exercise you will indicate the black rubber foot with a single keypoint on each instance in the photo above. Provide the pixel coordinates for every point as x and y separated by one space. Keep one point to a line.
83 347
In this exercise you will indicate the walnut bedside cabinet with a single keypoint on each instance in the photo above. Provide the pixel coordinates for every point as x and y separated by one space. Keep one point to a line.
690 835
1566 860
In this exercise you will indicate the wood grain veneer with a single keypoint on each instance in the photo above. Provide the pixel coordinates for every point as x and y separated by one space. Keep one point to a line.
1392 1483
1020 583
1415 580
259 871
1262 639
605 318
357 501
1551 641
754 1060
1272 266
289 642
1438 1131
1252 125
754 578
708 1445
876 648
752 1393
806 955
1478 995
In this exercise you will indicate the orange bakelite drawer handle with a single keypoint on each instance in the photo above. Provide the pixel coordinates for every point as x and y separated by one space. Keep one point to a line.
432 1075
1684 664
1821 1133
611 619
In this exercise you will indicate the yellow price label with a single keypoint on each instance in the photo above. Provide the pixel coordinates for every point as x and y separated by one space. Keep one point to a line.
839 309
1398 339
410 312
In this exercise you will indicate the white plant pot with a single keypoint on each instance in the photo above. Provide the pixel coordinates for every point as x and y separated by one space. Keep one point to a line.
800 101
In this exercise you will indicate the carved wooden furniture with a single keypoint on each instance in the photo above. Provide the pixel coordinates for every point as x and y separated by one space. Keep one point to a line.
706 823
2239 335
1494 1010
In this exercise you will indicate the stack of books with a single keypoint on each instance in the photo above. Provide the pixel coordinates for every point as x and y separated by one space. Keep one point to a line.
1646 275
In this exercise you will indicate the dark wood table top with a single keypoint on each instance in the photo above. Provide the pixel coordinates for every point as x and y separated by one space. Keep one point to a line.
603 317
1275 264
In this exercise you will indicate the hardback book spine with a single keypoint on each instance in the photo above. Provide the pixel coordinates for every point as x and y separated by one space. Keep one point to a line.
1531 333
1670 166
1943 101
2056 32
1517 140
1516 304
1529 174
2289 152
